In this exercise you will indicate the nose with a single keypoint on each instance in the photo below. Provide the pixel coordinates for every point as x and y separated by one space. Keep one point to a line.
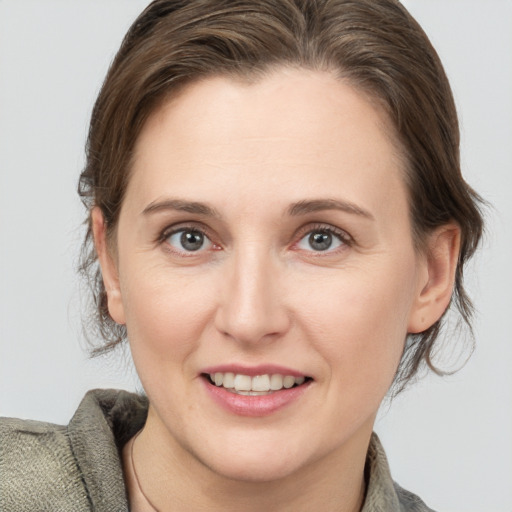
251 307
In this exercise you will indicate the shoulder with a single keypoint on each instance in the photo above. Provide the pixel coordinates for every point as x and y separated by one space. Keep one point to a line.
37 468
383 494
409 502
44 466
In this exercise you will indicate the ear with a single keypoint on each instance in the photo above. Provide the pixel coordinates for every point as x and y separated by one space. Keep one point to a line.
108 267
436 278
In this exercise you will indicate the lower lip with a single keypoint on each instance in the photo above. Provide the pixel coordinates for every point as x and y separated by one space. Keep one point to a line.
255 406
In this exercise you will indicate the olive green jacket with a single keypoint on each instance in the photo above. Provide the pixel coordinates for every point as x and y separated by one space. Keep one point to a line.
46 467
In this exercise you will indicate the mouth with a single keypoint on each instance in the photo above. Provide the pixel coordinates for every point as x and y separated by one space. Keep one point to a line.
257 385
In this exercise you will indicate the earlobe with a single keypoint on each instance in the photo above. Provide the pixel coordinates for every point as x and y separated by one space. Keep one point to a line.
108 267
437 277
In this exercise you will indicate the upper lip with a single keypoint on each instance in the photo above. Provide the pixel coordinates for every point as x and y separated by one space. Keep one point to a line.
252 371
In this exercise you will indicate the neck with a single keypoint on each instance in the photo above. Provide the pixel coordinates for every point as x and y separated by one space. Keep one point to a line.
172 478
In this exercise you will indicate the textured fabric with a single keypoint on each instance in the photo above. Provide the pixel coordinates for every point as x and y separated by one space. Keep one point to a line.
46 467
382 494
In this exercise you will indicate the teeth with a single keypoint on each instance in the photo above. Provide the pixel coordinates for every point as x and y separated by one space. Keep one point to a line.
258 385
251 393
288 381
276 382
261 383
243 383
229 380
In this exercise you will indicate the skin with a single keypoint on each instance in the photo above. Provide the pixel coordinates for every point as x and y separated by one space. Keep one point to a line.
259 293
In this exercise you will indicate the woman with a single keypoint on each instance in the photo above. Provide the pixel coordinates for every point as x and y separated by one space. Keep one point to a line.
275 202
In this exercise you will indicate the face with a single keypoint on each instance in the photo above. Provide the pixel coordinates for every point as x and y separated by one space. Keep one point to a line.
264 242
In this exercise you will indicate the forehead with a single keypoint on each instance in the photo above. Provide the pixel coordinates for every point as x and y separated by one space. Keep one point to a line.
301 131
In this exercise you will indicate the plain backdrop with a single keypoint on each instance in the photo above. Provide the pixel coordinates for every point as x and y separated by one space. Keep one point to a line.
448 440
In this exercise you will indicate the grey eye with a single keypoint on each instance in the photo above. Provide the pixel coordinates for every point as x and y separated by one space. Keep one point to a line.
319 241
189 240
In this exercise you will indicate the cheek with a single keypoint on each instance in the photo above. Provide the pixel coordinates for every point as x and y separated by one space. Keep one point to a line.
165 315
358 321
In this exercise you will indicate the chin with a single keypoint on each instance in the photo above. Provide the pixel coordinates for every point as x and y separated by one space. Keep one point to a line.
256 459
254 470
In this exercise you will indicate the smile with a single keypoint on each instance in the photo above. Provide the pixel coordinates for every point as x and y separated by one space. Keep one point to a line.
257 385
255 391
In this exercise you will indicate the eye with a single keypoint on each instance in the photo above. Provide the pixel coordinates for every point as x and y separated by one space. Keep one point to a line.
188 240
322 240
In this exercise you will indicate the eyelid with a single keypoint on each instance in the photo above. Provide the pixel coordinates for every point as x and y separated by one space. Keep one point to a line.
168 231
323 226
171 229
345 238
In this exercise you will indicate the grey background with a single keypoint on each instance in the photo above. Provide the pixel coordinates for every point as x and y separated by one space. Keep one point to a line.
449 440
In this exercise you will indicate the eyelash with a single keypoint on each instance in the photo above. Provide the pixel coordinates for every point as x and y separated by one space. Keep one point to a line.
172 230
341 235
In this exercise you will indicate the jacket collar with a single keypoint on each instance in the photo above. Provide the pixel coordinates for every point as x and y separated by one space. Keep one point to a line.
107 419
102 424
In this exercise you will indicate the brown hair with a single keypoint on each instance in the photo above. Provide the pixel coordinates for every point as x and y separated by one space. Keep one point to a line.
373 44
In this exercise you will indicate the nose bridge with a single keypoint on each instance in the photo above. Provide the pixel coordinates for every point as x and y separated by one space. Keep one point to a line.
252 307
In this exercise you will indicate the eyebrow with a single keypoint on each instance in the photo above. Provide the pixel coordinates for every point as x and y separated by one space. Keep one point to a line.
182 206
296 209
316 205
